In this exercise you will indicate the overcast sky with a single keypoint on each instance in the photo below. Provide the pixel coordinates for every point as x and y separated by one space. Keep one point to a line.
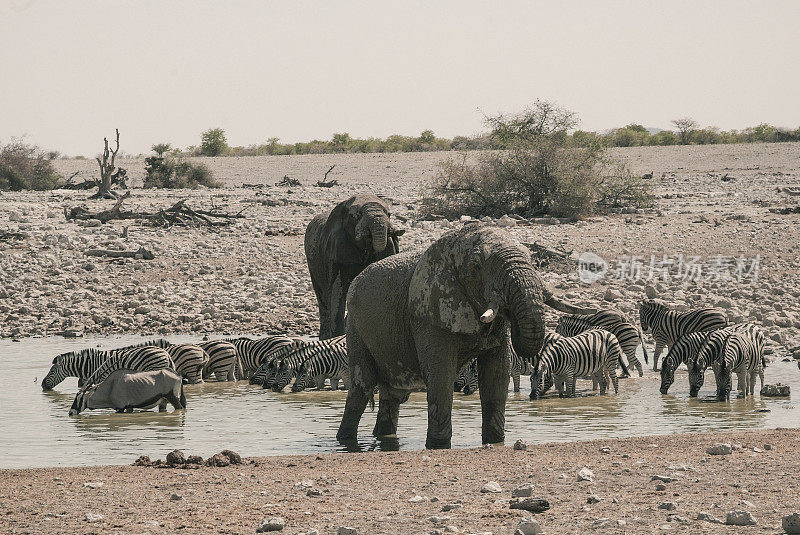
72 71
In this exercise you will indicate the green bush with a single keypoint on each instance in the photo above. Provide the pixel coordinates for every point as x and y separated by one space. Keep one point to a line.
176 173
541 171
26 167
213 142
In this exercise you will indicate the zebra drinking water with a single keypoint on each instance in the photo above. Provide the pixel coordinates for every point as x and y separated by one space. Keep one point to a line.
668 325
288 366
83 364
467 380
221 360
738 349
251 353
594 353
628 336
683 351
327 363
189 359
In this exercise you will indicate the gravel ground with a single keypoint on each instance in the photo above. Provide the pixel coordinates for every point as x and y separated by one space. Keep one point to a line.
405 492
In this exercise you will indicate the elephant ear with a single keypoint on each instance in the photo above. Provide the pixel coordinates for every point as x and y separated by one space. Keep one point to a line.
437 296
337 242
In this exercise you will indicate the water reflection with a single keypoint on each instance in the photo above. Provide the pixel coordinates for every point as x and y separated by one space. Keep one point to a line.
35 429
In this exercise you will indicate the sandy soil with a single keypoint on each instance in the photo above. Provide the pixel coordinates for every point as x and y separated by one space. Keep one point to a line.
371 491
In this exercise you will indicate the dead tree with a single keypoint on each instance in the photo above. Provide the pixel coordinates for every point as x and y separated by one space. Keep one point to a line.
107 174
324 182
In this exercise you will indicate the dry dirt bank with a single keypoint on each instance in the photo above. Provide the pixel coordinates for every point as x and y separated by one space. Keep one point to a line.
252 276
371 491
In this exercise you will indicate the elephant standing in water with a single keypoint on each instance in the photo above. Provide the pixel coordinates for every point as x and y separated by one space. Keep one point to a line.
338 246
415 319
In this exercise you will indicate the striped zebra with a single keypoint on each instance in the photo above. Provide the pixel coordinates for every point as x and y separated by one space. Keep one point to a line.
467 379
683 351
268 369
594 353
628 336
189 359
738 349
287 367
85 363
327 363
251 353
221 360
667 325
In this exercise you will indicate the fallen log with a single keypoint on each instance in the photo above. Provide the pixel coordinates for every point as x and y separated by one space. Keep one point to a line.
141 254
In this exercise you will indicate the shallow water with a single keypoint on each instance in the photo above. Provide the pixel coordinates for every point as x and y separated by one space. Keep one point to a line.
35 429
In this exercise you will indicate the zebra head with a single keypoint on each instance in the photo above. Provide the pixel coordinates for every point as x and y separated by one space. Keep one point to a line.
648 309
284 374
57 373
697 375
304 379
668 366
260 374
723 369
270 373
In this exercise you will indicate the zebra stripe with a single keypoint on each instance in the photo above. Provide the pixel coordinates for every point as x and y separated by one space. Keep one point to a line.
615 322
668 326
683 351
221 360
139 359
594 353
286 368
251 353
738 349
268 369
189 359
327 363
467 379
80 364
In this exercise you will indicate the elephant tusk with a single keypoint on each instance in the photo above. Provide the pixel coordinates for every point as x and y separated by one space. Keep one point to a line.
489 315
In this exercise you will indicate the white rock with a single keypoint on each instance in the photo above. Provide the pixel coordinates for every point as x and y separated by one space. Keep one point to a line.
523 491
271 524
584 474
417 499
719 449
93 484
91 517
492 486
708 518
528 526
739 518
344 530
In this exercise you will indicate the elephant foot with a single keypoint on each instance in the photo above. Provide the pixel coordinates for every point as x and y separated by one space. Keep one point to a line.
437 443
346 434
493 438
384 429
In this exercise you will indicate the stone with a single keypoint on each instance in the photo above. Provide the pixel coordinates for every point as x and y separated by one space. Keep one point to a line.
506 221
93 484
491 486
92 517
143 460
520 445
344 530
678 518
708 518
667 506
271 524
739 518
175 457
313 492
528 526
194 459
523 491
534 505
218 459
176 498
451 507
661 487
304 484
606 450
791 523
233 457
593 499
650 291
776 390
438 520
719 449
584 474
417 499
663 479
767 447
601 522
612 295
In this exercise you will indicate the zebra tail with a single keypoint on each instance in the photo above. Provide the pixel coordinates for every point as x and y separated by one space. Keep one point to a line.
183 397
644 349
622 364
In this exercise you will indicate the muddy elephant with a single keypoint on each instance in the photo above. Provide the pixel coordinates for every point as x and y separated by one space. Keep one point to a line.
415 319
339 246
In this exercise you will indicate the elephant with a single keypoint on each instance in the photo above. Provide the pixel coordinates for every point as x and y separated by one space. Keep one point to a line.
415 319
338 246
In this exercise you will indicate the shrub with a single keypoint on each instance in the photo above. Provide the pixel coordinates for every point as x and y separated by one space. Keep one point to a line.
541 171
176 173
213 142
161 148
26 167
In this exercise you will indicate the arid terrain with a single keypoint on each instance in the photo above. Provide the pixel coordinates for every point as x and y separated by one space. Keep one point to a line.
713 209
411 492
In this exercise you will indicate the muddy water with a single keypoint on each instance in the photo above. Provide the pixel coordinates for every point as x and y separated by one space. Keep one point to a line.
35 429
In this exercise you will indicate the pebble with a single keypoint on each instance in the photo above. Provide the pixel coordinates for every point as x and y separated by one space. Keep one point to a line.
584 474
661 487
677 518
791 524
523 491
491 486
176 498
740 518
93 484
667 506
709 518
417 499
719 449
344 530
270 524
528 526
663 479
452 507
592 499
436 519
520 445
605 450
91 517
534 505
767 447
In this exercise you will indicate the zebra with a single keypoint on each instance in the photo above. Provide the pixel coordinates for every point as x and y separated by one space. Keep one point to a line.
268 369
594 353
628 336
327 363
683 351
251 353
189 359
467 379
739 349
221 360
287 367
83 364
667 325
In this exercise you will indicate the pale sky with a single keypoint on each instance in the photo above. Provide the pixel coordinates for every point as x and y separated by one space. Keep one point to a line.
164 71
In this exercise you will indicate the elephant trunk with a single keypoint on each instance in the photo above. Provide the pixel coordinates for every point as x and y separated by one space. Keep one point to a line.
522 294
379 228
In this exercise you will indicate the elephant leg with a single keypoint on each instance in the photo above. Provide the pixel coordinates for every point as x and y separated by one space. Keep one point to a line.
362 383
388 413
493 381
438 357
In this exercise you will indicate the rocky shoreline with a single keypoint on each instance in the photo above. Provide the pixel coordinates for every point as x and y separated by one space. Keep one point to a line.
691 483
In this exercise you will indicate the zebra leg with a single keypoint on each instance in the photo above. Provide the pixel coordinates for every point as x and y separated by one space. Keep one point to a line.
571 378
515 378
600 378
656 353
493 383
634 360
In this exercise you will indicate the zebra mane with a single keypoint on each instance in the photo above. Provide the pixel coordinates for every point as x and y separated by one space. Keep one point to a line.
154 343
88 352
